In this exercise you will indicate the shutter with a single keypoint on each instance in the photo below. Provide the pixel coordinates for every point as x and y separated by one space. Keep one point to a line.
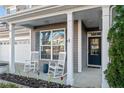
37 41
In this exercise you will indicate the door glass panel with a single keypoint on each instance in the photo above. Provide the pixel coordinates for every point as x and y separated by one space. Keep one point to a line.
94 46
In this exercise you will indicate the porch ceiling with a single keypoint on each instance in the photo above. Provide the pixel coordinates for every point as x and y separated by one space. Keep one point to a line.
44 21
91 18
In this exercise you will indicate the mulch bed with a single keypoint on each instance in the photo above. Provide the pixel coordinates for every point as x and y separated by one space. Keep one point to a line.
31 82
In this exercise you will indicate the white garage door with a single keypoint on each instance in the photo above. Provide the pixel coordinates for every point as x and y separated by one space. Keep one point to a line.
22 50
4 51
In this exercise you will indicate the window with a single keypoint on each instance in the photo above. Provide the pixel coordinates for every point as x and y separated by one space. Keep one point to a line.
11 10
51 43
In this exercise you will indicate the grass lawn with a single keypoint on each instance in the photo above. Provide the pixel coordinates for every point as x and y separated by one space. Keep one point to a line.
8 85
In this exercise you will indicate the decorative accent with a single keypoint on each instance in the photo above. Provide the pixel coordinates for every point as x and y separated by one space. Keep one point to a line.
94 33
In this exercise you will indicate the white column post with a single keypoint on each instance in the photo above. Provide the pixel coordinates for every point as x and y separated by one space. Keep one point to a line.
11 48
30 42
79 46
105 44
70 57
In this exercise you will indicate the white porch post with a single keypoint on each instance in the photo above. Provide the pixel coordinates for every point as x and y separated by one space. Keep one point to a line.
79 46
70 48
11 48
105 44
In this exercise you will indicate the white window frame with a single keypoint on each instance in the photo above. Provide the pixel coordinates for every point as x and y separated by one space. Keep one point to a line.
51 45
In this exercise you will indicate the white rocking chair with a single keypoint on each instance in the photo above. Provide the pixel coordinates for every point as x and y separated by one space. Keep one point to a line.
56 68
33 63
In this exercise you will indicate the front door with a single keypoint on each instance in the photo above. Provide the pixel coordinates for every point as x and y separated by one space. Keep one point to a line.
94 51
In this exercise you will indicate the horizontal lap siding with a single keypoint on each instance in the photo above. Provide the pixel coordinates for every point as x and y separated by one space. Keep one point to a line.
22 47
84 48
75 47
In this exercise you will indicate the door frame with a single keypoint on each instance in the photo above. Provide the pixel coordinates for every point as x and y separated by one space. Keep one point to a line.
88 35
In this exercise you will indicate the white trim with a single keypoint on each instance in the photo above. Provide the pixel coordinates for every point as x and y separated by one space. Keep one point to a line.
105 44
51 45
51 30
27 11
30 42
94 66
70 48
64 11
88 48
79 46
16 38
111 10
11 49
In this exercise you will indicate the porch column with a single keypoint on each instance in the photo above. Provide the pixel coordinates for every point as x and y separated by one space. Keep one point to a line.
105 44
11 48
70 48
79 46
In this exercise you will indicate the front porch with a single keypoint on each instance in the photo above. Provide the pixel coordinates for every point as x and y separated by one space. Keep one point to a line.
88 78
76 21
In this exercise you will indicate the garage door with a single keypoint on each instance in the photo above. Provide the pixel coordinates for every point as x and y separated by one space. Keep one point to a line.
22 50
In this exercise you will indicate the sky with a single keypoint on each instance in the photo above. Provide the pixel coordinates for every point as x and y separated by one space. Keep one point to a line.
2 11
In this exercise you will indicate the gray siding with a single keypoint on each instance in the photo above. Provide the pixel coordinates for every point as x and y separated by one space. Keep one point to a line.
84 48
33 40
75 65
37 40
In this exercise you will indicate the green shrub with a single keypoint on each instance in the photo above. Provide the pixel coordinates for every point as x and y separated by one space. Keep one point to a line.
7 85
115 69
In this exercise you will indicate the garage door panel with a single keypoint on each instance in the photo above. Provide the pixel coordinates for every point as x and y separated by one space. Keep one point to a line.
4 52
22 51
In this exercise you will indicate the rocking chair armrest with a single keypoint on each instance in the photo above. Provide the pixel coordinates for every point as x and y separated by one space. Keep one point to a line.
27 60
53 62
59 60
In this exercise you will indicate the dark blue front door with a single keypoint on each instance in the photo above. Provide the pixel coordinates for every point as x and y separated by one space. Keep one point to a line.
94 51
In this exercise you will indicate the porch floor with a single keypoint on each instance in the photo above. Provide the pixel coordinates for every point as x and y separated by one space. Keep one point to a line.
88 78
